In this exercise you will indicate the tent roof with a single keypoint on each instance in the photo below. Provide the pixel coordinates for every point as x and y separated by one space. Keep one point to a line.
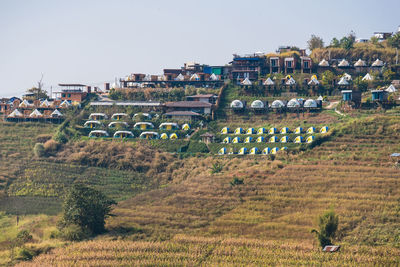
360 63
377 63
344 63
269 82
367 77
391 89
323 63
246 82
343 81
35 113
56 112
15 113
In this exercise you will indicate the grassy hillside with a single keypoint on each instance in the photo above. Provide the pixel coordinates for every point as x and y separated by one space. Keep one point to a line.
175 211
200 218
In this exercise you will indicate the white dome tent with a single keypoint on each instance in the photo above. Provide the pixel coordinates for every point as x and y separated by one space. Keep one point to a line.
257 104
246 82
391 89
269 82
343 81
293 103
343 63
277 104
323 63
310 103
237 104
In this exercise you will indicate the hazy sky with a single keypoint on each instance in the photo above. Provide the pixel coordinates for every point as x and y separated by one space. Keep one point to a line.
93 42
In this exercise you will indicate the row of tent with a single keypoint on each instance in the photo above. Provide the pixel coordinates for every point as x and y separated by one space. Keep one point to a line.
43 104
129 134
359 63
273 130
252 151
35 114
180 77
139 125
273 139
278 104
118 116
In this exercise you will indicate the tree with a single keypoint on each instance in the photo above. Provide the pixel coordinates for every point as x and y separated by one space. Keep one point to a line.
328 77
335 42
38 92
374 40
315 42
346 43
87 208
328 224
394 41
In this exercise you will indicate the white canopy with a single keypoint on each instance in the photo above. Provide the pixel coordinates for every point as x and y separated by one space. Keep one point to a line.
129 133
237 104
343 81
324 63
391 89
65 103
168 123
360 63
98 132
347 76
25 103
257 104
213 77
119 115
277 104
377 63
367 77
56 113
310 103
291 81
35 113
246 82
269 82
344 63
313 82
15 114
143 123
195 77
45 104
180 77
293 103
320 98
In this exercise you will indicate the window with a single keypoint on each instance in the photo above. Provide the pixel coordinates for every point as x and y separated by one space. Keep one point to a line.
63 95
289 64
69 95
306 64
273 62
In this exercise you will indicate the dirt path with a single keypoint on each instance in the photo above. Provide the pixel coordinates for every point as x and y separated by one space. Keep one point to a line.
332 105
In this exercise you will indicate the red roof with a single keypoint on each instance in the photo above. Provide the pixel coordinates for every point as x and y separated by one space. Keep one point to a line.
331 248
188 104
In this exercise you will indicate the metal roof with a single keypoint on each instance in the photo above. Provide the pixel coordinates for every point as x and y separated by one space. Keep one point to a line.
188 104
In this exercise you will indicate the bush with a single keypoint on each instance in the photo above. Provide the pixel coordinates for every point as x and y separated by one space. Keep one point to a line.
24 236
38 150
42 138
195 147
74 232
25 254
60 137
217 167
328 224
51 146
236 181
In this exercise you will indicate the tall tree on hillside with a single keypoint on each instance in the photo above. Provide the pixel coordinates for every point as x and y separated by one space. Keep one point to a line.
86 208
315 42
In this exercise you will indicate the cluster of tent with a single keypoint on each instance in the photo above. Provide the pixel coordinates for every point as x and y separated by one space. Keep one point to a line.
35 114
119 116
273 139
289 81
279 104
129 134
252 151
360 63
273 130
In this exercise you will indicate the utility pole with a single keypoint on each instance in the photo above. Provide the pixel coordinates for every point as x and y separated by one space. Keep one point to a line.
397 55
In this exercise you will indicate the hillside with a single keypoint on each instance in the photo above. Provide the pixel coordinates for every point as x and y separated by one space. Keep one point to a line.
199 218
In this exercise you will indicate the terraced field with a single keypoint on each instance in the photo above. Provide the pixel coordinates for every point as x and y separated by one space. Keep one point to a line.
202 218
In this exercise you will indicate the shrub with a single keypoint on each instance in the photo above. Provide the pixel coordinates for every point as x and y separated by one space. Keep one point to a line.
74 232
60 137
51 146
236 181
24 236
42 138
328 224
25 254
217 167
195 147
38 150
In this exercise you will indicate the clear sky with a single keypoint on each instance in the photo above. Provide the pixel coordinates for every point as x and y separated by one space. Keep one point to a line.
93 42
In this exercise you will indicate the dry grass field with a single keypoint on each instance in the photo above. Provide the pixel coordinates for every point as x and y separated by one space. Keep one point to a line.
202 219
